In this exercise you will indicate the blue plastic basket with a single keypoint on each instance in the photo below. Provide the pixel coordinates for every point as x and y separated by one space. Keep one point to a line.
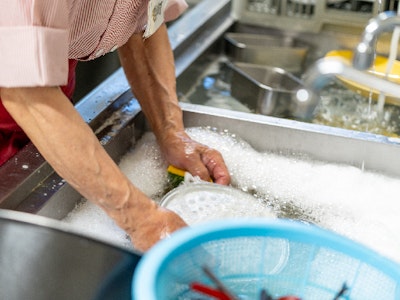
248 255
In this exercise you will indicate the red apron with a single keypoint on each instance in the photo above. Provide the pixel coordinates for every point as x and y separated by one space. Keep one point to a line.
12 137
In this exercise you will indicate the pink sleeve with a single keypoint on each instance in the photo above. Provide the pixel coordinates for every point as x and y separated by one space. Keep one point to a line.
33 43
174 9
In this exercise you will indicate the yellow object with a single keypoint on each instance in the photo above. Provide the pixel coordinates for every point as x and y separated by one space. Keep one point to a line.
176 176
173 170
379 69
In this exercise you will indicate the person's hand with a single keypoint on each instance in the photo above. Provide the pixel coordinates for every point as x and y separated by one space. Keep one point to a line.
198 159
153 226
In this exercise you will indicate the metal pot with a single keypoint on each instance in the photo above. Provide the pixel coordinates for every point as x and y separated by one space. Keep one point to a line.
42 258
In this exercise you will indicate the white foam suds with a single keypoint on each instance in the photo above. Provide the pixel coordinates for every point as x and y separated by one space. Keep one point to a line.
91 220
361 205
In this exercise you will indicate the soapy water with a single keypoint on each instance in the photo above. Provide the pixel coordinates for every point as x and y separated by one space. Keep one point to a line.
343 108
361 205
92 221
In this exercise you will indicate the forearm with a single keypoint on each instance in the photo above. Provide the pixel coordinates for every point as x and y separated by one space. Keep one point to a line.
149 68
69 145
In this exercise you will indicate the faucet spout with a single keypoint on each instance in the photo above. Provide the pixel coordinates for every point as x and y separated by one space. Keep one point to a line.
365 50
324 70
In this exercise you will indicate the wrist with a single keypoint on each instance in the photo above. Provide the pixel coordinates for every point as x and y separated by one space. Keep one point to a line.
169 121
132 210
173 141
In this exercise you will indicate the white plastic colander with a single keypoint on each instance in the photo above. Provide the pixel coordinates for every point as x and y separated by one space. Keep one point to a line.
201 202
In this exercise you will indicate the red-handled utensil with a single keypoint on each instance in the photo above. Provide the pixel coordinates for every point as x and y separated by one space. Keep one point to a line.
206 290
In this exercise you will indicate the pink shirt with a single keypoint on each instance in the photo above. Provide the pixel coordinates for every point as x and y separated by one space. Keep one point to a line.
37 37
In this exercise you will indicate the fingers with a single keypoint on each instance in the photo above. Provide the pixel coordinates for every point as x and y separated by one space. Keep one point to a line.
216 166
221 175
207 163
195 166
198 159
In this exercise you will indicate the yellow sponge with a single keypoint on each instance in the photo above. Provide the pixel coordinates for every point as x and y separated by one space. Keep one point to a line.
175 176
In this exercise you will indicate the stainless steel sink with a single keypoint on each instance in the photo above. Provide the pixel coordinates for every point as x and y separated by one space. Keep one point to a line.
30 185
194 86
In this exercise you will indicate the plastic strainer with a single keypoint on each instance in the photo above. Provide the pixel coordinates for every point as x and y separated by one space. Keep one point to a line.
248 255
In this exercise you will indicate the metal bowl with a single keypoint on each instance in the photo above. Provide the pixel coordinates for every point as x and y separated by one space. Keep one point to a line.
42 258
276 51
272 91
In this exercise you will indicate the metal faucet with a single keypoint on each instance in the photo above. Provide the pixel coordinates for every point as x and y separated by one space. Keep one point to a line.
364 53
324 70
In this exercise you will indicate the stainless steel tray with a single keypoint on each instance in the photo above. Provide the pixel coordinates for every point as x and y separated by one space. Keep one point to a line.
272 91
276 51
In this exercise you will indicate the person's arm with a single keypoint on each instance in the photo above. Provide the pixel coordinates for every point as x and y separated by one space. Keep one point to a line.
72 149
149 67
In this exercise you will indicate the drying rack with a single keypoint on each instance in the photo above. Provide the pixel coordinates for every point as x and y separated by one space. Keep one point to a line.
310 15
